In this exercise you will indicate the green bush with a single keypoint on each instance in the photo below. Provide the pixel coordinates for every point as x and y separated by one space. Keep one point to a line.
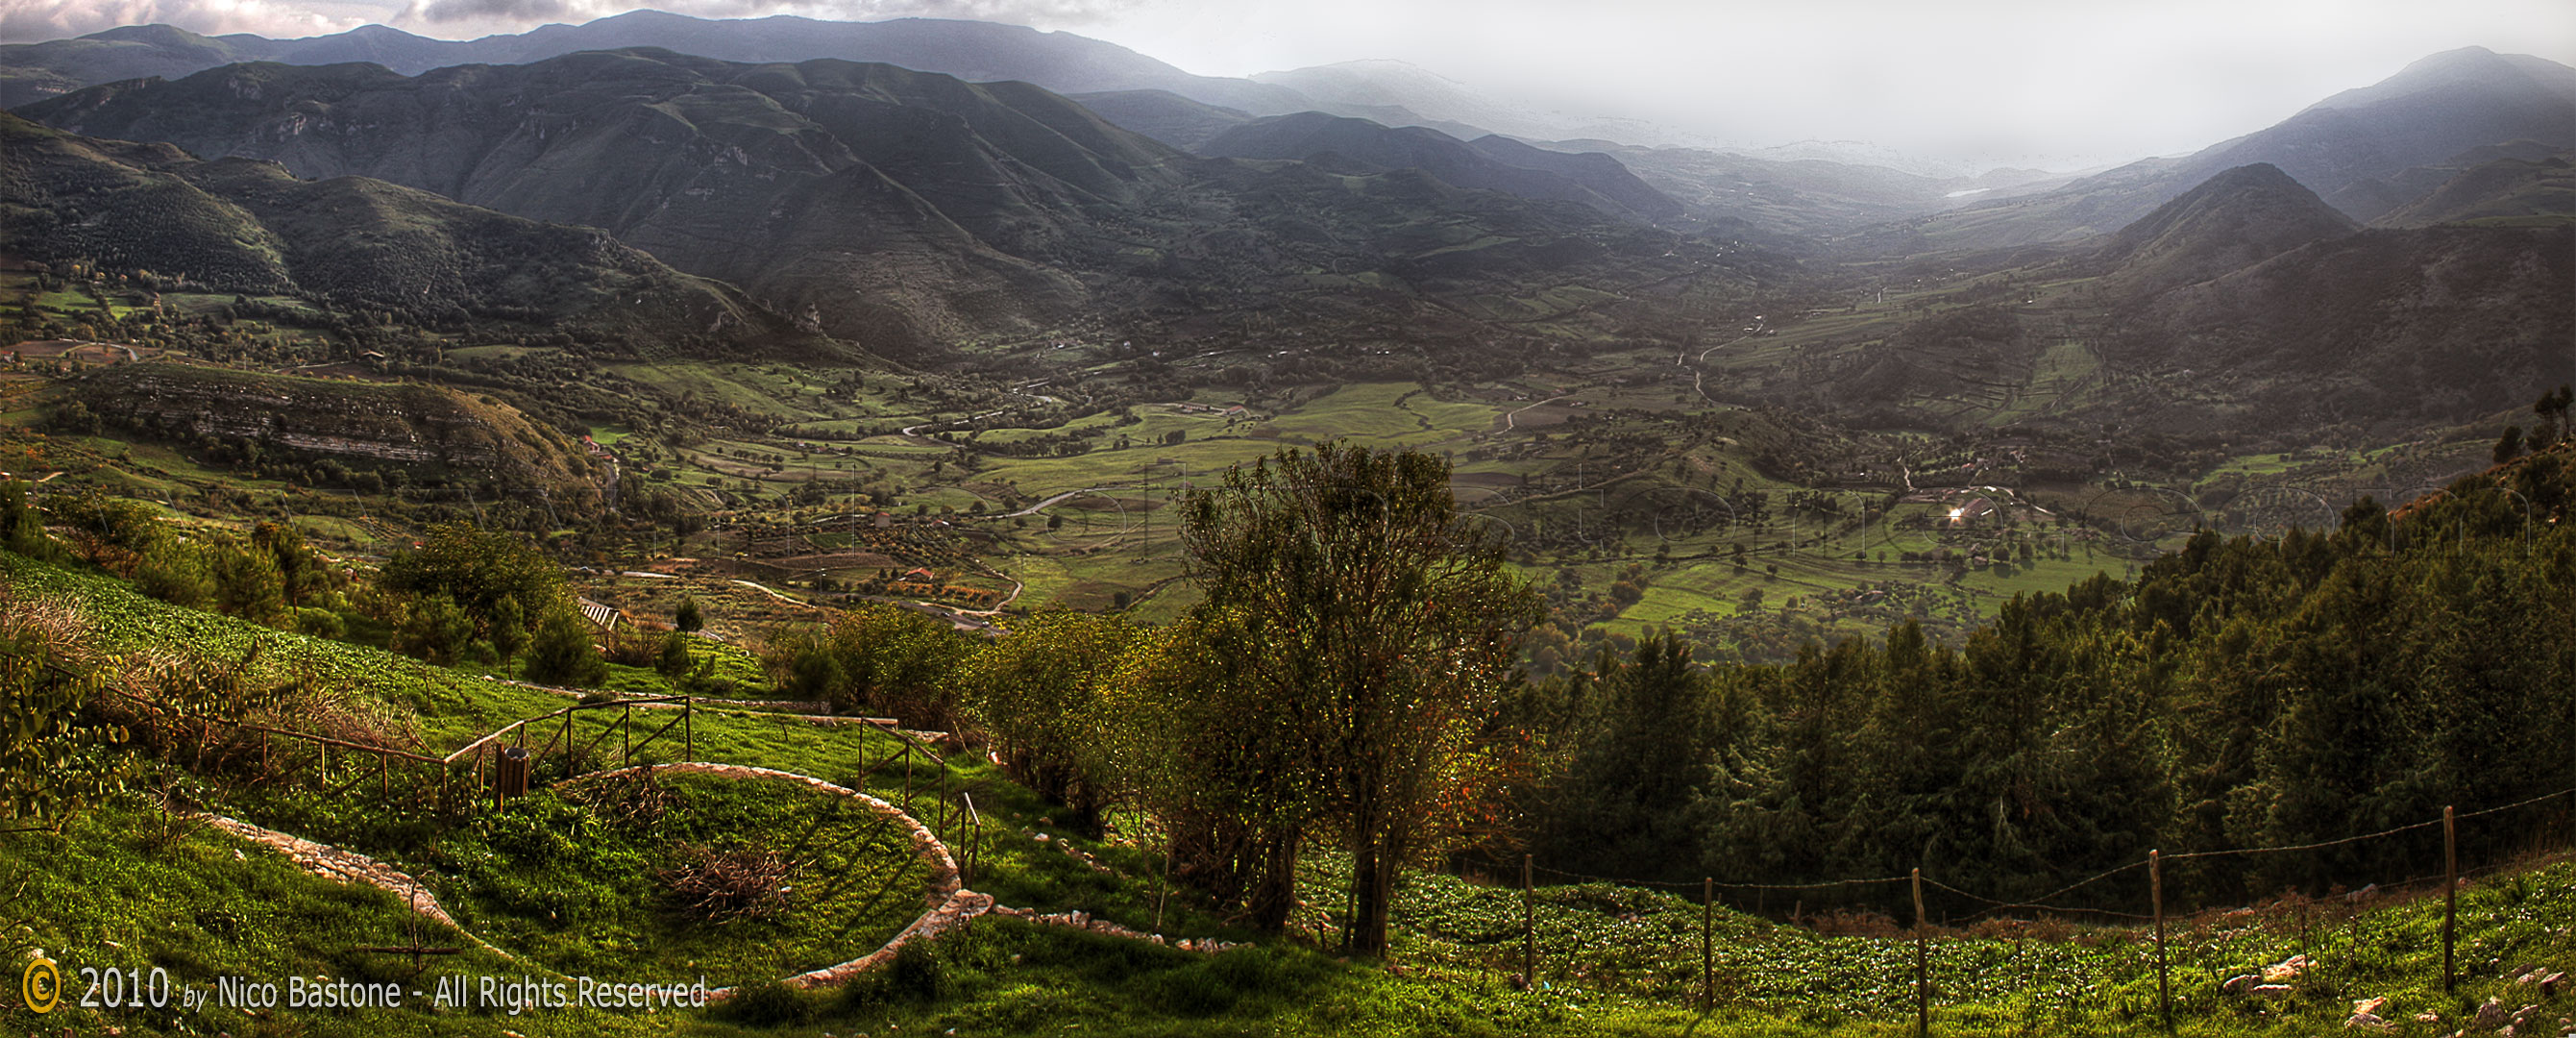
320 623
561 653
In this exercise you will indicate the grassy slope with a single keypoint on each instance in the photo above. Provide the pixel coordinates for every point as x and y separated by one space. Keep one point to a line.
1615 960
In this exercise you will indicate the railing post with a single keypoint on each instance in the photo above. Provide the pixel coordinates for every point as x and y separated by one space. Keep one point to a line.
689 727
2156 886
1160 881
2450 897
1922 979
627 759
1707 944
1529 927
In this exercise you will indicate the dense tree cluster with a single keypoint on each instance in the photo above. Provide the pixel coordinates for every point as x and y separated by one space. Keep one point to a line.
464 591
2240 693
268 576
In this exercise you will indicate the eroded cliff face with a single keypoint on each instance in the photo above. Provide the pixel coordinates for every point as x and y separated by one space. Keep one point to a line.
437 434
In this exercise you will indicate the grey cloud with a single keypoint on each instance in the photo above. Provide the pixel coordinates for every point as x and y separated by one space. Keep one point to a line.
495 10
1025 12
27 21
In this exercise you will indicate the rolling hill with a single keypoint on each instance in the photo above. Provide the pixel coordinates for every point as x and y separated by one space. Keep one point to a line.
2381 329
432 433
2235 219
243 226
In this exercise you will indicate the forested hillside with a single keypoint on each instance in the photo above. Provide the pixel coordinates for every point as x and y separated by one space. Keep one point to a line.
2239 693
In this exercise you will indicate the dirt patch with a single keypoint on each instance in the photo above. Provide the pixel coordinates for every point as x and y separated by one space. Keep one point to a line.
834 560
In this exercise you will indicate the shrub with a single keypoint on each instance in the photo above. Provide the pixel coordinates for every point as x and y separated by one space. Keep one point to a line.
320 623
561 653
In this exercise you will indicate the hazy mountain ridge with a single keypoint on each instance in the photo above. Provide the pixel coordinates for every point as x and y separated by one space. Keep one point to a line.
2505 188
2433 110
2378 195
1382 89
1164 115
1597 180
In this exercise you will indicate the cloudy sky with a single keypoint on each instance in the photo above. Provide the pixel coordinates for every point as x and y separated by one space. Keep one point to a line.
2058 84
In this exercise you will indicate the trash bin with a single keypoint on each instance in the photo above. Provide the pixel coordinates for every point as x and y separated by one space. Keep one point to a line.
510 772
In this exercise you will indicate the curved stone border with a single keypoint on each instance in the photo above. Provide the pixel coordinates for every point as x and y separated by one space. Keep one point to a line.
346 866
950 903
1078 919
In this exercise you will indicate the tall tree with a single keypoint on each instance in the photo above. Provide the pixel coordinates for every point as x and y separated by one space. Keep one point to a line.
1376 626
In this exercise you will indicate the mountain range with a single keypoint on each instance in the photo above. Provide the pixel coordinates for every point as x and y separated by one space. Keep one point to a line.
2249 306
2358 149
249 227
907 211
886 206
1392 93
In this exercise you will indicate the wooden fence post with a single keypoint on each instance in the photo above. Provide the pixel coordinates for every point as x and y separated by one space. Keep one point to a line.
1529 927
689 728
1922 980
2156 886
2450 897
626 759
1159 885
1707 944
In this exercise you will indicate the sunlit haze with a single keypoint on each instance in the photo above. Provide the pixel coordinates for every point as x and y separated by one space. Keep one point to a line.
1986 82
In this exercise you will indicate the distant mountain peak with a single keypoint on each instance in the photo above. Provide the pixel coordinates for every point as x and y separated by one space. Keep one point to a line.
156 33
2251 176
2474 68
2237 218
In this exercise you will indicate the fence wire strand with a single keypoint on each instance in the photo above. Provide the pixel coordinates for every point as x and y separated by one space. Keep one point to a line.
2040 903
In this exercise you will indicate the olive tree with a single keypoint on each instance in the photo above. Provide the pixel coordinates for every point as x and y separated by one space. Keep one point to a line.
1370 632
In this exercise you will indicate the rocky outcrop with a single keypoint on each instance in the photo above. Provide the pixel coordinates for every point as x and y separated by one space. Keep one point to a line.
434 432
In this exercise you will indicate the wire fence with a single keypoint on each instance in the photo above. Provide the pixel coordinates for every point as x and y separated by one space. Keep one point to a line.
2052 904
